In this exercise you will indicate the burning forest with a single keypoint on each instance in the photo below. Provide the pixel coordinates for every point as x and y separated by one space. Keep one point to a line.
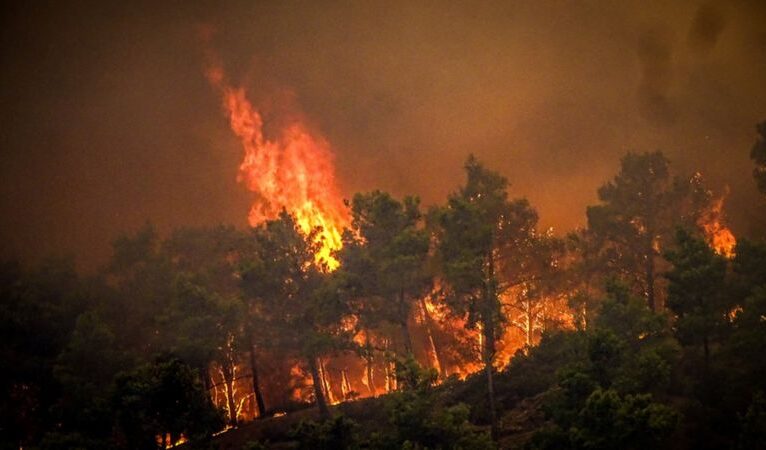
341 310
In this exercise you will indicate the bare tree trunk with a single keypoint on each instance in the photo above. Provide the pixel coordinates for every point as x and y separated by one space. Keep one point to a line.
650 274
369 360
404 315
204 376
488 329
440 367
389 370
326 382
488 356
256 384
529 325
345 386
227 370
324 411
370 377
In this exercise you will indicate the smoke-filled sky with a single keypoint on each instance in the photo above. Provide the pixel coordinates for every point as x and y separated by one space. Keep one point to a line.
109 122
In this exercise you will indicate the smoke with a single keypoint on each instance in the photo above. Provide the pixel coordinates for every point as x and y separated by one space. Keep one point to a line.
108 122
707 26
655 55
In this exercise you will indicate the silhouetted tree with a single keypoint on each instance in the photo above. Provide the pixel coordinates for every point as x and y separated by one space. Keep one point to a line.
384 259
157 403
38 312
298 302
478 224
639 211
697 293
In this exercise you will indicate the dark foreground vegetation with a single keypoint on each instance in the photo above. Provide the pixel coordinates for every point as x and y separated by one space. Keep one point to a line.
646 329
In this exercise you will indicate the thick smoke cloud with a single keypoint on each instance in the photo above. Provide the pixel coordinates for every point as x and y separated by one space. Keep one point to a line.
108 120
707 25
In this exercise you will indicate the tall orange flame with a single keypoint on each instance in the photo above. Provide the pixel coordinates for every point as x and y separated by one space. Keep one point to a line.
719 236
292 171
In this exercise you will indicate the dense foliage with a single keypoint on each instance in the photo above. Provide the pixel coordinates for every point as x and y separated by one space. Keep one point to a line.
636 332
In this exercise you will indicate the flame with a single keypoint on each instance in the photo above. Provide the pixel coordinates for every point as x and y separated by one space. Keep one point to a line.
719 236
293 170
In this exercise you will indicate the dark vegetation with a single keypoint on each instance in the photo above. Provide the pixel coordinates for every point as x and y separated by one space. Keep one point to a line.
635 332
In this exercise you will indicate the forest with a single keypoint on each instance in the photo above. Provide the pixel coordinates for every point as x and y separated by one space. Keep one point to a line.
463 325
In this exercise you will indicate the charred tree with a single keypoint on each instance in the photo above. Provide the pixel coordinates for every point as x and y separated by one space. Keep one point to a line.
316 378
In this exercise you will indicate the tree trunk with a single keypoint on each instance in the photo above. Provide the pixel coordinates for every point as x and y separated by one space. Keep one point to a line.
529 325
324 411
650 275
488 329
404 315
326 382
488 356
370 378
369 360
256 384
345 386
389 370
227 370
429 329
204 376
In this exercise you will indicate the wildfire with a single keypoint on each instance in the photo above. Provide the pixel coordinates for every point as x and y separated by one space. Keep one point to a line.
291 170
719 236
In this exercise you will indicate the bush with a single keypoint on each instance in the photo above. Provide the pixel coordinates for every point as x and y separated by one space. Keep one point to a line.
337 433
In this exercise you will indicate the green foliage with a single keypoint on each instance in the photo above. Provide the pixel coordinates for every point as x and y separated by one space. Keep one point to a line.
86 369
418 421
297 302
410 375
633 213
80 365
478 222
758 155
38 312
608 420
383 260
749 266
696 293
338 433
639 210
599 398
298 306
752 433
163 398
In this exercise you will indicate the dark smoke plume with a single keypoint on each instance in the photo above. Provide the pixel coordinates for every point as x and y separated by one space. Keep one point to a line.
707 26
655 55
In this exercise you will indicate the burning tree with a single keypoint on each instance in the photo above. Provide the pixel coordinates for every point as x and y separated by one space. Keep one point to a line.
291 170
300 310
638 214
536 284
384 261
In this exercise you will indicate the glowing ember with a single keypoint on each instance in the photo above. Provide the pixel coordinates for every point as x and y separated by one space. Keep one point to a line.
719 236
293 170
